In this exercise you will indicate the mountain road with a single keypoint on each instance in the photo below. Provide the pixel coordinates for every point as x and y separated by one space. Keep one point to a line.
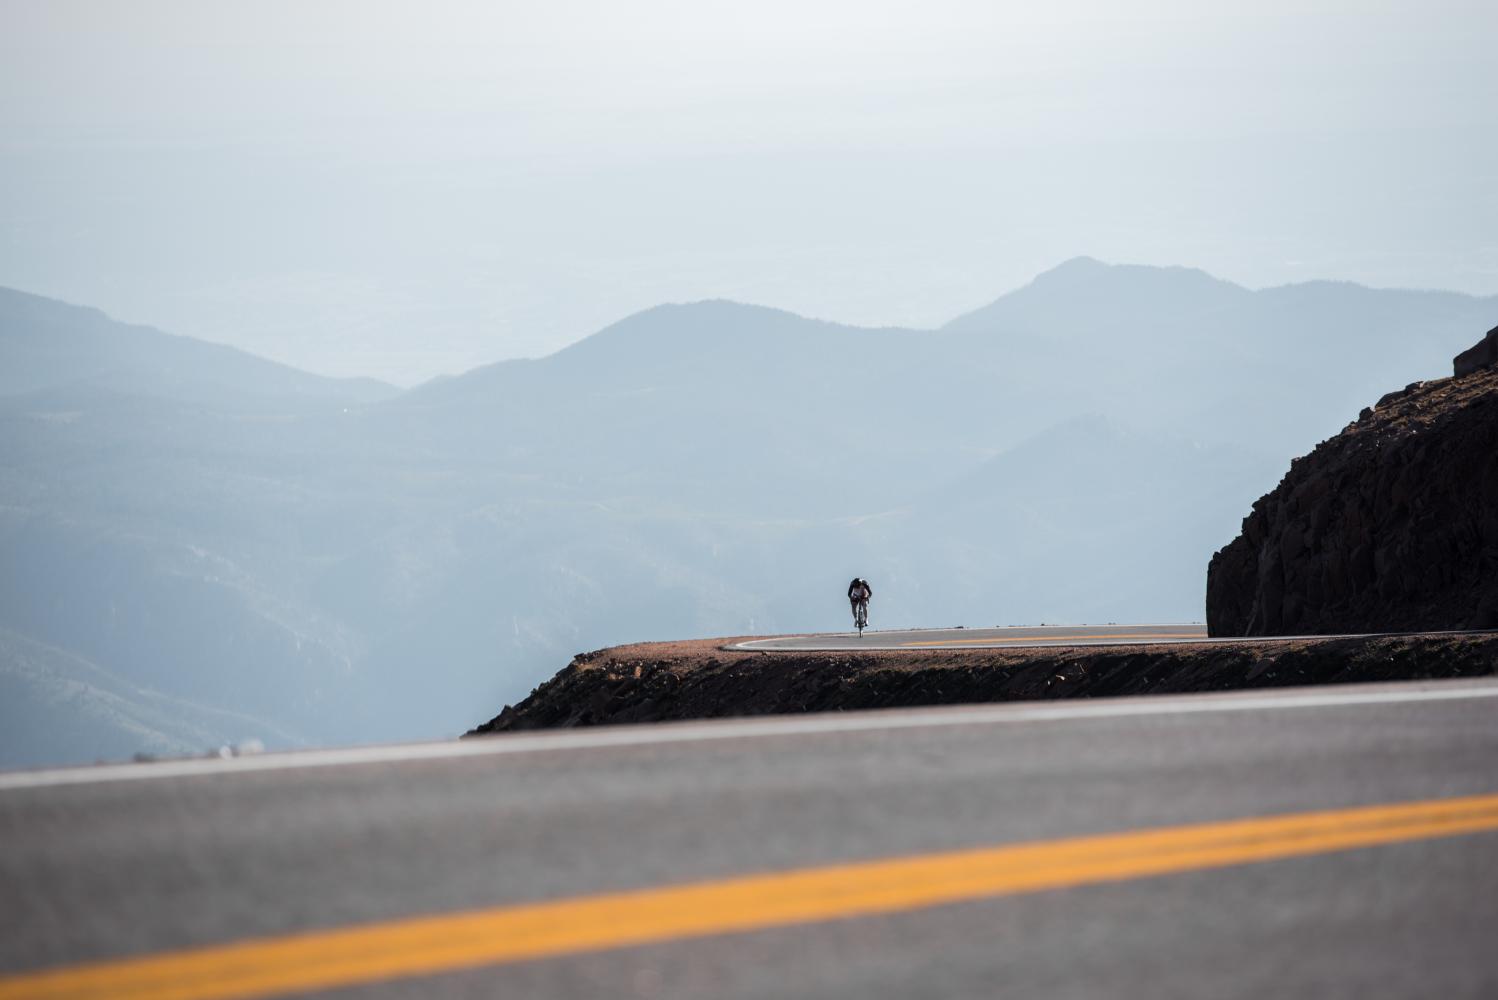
1302 842
1020 637
1006 637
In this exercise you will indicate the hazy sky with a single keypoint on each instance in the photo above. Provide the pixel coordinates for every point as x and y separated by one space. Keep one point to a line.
403 189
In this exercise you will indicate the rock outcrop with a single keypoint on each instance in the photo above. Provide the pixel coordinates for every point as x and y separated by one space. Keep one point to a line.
1481 355
1392 525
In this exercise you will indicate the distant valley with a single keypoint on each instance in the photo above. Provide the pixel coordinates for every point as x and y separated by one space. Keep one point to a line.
201 547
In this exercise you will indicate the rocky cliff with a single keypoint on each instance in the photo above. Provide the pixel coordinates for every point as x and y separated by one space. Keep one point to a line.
1392 525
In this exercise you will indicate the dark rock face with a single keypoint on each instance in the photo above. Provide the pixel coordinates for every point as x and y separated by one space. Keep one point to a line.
1390 526
1483 354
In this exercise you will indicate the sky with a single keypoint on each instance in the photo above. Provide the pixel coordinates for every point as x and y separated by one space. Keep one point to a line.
402 190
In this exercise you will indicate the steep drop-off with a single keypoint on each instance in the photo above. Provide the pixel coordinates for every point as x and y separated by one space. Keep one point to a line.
1392 525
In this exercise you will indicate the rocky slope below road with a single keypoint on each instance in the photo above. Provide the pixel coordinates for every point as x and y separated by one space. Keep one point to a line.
1390 526
701 680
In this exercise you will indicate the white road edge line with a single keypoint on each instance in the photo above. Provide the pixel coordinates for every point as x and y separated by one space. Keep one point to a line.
734 729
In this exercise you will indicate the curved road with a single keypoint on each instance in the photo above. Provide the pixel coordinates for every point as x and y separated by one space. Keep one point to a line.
1008 637
1032 636
1307 842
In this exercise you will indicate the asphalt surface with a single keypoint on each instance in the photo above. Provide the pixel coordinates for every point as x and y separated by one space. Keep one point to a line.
1007 637
116 862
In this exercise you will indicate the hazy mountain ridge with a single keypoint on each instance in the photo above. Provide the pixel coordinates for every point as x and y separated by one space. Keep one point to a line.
357 570
57 706
48 345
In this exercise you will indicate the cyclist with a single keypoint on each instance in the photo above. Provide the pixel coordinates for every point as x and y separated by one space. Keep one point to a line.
859 593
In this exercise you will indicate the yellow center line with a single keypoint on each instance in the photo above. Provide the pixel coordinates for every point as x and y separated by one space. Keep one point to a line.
1060 638
436 944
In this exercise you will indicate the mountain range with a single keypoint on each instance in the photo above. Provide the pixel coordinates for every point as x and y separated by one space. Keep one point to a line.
200 546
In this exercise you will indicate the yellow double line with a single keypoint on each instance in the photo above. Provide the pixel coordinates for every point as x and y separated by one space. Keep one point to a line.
436 944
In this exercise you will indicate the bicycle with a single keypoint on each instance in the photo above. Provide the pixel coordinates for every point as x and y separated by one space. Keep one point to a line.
861 615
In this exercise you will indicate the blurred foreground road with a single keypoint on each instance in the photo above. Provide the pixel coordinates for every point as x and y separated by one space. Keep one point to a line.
436 870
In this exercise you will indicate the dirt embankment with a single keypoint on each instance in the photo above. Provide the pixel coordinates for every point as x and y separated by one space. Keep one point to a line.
700 680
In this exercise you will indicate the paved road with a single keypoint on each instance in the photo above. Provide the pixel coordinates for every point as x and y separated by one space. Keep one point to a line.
1011 637
144 860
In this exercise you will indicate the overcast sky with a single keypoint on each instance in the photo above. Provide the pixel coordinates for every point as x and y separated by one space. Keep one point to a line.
404 189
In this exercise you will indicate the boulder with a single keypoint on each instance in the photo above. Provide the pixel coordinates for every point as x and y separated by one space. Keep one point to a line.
1483 354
